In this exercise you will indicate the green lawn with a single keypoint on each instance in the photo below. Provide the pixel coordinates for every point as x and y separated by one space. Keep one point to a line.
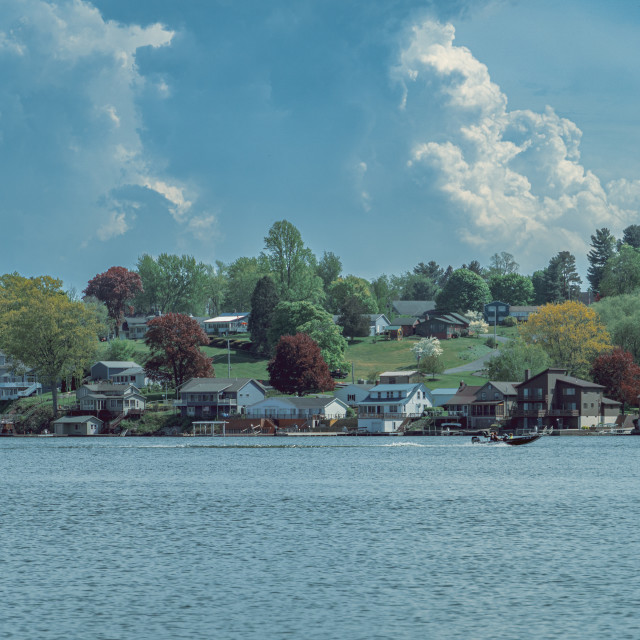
366 354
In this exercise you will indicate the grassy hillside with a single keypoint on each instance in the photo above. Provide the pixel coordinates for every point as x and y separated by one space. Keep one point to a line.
367 355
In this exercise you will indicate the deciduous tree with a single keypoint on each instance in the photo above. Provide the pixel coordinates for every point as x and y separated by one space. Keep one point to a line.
511 288
621 317
502 264
619 374
571 334
514 358
116 287
353 319
44 330
263 303
174 342
289 316
298 366
631 236
330 340
464 290
348 287
621 273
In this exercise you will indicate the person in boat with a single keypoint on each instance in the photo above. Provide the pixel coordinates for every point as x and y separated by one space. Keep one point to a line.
494 437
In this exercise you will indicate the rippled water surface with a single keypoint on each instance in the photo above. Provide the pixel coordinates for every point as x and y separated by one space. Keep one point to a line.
114 538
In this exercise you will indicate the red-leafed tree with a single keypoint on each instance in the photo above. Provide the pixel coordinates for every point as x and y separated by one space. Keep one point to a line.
298 366
174 341
617 371
115 287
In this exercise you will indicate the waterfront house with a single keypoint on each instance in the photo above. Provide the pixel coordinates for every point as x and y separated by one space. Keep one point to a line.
460 404
351 394
77 426
553 398
98 397
441 396
215 397
388 406
16 380
493 404
308 409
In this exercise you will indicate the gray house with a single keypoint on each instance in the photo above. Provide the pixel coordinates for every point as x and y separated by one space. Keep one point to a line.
214 397
120 372
413 308
114 398
495 312
77 426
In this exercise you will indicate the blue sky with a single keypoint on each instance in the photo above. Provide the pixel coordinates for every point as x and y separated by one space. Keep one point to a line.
389 131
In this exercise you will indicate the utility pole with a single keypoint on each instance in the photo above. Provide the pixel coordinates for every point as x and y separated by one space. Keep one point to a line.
228 359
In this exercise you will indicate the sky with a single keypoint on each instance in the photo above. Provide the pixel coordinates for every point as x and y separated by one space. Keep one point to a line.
390 132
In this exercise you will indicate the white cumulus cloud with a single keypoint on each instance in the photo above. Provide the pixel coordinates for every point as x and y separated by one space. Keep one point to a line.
513 178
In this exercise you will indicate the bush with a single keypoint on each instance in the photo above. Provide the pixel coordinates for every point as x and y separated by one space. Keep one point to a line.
490 342
509 321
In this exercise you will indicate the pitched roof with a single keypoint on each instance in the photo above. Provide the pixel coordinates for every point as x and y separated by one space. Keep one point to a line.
399 374
77 419
415 308
97 387
304 402
215 385
506 388
466 395
528 308
127 364
227 317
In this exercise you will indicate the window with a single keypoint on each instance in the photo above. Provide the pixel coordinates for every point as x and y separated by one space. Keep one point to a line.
351 397
539 392
569 391
586 405
484 395
525 392
496 396
393 408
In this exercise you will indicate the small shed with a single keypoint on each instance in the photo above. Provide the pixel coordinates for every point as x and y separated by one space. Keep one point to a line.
77 426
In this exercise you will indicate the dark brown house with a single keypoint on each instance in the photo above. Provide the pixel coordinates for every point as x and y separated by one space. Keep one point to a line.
443 325
552 398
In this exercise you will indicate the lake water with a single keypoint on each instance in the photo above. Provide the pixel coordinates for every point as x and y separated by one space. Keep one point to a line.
324 537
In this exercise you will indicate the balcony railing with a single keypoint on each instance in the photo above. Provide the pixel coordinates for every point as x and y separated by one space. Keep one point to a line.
387 416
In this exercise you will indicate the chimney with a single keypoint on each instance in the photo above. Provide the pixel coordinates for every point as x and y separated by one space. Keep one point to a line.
527 374
462 385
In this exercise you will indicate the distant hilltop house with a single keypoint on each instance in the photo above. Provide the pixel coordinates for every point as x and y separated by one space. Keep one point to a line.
413 308
443 325
378 323
136 327
495 312
227 323
17 381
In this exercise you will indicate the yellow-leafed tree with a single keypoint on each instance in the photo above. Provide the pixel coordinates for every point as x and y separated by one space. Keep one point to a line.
570 332
42 329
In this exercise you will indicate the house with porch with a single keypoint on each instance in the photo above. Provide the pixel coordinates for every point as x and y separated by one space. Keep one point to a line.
388 406
553 398
459 405
493 404
215 397
17 381
227 323
309 409
351 394
114 399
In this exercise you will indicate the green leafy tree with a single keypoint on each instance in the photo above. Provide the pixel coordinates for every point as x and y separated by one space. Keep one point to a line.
298 366
45 331
464 290
120 351
603 248
116 287
330 340
432 270
242 277
329 268
174 342
414 286
353 319
631 236
621 273
514 358
348 287
621 316
263 303
288 316
292 264
385 292
214 288
511 288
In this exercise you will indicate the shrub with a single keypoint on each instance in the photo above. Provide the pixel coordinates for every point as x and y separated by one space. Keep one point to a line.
509 321
490 342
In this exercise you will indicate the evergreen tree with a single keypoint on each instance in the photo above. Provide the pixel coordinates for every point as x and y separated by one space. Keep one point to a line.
263 301
631 236
432 270
603 247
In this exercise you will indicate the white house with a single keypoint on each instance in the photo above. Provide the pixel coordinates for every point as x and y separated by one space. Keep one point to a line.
227 323
305 408
388 405
378 323
351 394
116 398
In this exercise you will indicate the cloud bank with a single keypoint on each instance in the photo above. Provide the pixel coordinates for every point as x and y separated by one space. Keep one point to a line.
513 178
69 117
